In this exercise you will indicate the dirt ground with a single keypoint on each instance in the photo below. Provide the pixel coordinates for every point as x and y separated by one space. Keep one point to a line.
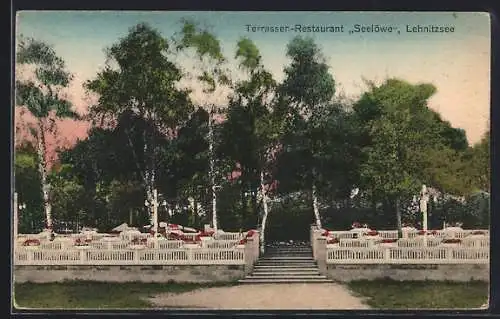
321 296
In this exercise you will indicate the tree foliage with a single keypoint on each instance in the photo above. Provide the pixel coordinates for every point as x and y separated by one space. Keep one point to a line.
285 144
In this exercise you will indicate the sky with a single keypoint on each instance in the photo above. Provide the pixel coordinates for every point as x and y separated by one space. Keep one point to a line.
457 63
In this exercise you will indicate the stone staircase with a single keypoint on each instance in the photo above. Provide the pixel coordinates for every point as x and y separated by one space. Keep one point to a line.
286 264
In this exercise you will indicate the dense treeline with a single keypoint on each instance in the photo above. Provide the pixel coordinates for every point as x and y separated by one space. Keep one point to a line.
287 153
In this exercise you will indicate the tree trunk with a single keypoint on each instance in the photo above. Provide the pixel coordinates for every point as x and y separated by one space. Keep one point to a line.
398 217
315 205
266 212
42 169
147 179
212 171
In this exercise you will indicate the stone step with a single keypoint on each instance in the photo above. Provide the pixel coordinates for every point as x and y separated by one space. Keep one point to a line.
303 277
285 273
299 256
297 259
284 268
287 252
283 281
287 258
285 263
290 249
294 256
287 255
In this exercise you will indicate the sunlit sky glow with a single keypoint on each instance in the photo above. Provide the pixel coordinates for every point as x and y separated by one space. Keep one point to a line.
458 63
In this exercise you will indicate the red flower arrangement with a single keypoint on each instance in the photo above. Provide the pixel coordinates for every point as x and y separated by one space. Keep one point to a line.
209 233
388 241
333 241
372 233
429 232
250 233
174 236
325 233
31 242
79 242
451 241
173 226
188 239
478 232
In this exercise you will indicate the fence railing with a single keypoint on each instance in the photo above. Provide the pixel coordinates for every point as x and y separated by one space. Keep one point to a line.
416 249
235 256
161 252
399 255
229 236
393 234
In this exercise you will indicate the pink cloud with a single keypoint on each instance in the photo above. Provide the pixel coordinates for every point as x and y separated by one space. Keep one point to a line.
65 134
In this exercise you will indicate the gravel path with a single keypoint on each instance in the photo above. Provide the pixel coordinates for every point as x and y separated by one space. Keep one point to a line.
264 296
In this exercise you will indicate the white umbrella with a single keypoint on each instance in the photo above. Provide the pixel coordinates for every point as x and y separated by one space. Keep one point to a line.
189 229
408 228
163 224
174 226
120 228
132 231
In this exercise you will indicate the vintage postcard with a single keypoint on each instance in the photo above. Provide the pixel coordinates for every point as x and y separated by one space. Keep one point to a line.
251 160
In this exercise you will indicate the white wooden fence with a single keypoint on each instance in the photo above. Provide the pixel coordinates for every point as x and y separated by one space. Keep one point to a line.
120 252
393 234
201 256
413 249
416 242
399 255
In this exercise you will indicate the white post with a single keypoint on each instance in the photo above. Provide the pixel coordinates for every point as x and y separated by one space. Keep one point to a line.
15 210
155 212
212 168
424 198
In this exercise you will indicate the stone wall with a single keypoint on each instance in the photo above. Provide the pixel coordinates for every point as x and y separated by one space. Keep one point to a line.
452 272
203 273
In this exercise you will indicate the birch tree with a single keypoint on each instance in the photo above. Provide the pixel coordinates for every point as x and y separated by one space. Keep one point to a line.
308 88
41 95
139 77
251 112
209 73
